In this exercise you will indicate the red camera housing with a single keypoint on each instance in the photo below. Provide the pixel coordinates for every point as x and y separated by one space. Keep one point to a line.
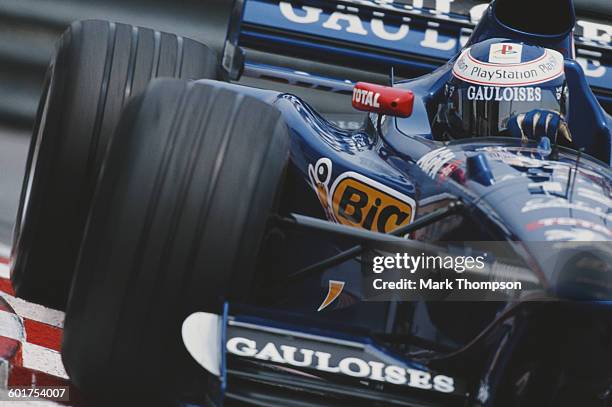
384 100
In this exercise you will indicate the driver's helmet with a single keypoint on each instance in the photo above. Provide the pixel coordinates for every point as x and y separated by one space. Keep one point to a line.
494 81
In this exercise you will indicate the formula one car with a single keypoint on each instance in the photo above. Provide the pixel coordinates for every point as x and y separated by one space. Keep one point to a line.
191 225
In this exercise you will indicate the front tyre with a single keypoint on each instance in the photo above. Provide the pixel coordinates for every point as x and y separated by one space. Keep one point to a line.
175 227
97 68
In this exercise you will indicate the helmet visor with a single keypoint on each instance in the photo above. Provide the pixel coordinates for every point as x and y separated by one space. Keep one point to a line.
484 111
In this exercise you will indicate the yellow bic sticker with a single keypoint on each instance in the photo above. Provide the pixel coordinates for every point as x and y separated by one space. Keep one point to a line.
362 202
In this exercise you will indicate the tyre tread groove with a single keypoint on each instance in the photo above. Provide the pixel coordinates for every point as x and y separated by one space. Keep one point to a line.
180 54
183 192
153 204
101 108
157 36
205 209
129 80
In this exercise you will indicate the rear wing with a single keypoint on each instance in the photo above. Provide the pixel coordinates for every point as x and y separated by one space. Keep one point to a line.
316 40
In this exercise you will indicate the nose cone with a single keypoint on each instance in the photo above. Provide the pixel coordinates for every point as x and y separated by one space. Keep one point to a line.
559 211
562 212
550 201
582 272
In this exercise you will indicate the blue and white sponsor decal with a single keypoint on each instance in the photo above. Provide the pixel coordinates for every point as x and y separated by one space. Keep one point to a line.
539 69
505 53
393 26
315 354
346 24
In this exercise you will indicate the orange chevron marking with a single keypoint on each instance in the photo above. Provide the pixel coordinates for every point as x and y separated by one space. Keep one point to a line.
335 288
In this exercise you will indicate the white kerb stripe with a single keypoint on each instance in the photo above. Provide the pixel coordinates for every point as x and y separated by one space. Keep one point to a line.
34 311
5 251
36 357
11 326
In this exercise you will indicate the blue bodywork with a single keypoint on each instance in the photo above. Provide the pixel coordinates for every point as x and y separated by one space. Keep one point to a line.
512 192
381 34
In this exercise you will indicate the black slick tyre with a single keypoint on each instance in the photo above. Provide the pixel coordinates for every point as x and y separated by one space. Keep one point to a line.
176 226
97 68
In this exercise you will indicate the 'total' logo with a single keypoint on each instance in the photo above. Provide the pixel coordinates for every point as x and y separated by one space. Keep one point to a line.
386 100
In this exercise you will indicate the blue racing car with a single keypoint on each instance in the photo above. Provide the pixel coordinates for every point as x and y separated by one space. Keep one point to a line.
213 242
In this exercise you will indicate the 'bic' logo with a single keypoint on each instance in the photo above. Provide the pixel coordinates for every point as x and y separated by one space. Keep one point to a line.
362 202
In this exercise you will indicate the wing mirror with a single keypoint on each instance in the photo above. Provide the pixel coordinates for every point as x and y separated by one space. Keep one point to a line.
386 100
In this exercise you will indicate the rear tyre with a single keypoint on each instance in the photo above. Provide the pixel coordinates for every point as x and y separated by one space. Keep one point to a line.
175 227
98 67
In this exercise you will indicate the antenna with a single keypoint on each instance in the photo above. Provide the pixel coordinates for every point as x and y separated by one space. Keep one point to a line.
380 116
575 174
567 185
